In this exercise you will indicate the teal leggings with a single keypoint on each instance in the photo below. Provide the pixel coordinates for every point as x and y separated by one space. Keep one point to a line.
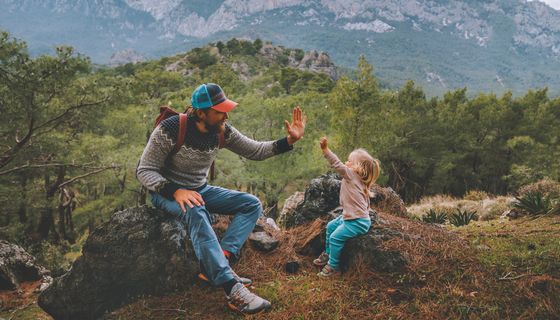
338 232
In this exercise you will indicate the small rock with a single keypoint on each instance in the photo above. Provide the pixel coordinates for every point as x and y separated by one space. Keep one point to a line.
483 247
263 241
292 267
272 223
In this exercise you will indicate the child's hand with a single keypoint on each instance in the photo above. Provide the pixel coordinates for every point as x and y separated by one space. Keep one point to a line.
324 143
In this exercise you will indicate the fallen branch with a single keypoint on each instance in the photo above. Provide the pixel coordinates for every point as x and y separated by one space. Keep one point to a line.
507 276
161 309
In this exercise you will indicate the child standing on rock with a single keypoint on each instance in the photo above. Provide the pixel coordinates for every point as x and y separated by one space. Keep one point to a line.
358 174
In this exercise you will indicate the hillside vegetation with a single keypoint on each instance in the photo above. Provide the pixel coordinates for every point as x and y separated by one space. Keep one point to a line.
72 133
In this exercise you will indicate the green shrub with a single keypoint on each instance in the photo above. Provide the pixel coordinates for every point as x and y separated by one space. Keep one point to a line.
535 203
462 217
433 216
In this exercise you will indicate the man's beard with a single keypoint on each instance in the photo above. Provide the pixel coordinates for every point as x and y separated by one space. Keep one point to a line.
215 129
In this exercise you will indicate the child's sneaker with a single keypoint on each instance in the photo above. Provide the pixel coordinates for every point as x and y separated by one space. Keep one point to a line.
243 300
245 281
322 260
328 272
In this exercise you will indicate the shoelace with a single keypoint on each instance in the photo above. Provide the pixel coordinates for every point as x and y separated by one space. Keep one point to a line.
244 296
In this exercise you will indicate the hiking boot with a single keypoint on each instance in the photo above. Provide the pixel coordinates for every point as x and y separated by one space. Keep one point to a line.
243 300
322 260
328 272
245 281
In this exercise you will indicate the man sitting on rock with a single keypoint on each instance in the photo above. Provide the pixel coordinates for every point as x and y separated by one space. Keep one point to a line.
178 185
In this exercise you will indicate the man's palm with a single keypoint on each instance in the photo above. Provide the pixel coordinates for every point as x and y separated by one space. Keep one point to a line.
296 129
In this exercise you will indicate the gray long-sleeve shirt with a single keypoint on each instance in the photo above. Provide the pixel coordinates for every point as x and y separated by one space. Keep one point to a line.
190 165
353 199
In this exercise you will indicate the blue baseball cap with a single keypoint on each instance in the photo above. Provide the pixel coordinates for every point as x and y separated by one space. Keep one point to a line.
210 95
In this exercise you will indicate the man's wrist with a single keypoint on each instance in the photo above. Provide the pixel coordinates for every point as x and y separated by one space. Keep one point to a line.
291 140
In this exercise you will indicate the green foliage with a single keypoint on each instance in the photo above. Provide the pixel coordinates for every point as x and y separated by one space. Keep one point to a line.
534 203
462 217
434 217
202 58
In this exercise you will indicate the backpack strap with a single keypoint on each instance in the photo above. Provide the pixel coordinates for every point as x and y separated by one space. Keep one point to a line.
221 140
181 134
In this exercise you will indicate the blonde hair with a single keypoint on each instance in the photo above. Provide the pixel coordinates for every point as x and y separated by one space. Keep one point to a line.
367 167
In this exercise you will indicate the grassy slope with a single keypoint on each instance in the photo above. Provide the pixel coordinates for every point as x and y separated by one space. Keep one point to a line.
495 269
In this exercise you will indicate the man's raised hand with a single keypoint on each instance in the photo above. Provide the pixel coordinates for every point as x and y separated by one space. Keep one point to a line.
296 129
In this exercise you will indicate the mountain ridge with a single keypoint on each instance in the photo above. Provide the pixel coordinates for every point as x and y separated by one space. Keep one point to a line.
491 45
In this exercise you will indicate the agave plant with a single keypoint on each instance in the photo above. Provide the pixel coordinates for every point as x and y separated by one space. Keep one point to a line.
535 203
434 217
462 218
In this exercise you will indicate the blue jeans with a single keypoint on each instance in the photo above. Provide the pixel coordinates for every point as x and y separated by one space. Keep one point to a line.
246 209
338 232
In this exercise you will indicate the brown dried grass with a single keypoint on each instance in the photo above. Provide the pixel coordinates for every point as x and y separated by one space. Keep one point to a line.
444 279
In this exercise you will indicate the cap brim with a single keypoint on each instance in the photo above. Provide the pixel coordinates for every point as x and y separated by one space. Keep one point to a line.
225 106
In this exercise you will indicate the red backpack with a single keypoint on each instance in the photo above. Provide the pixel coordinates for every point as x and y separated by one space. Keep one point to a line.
166 112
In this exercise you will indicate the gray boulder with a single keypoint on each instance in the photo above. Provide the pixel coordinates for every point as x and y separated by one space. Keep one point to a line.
321 196
138 251
365 248
17 266
263 241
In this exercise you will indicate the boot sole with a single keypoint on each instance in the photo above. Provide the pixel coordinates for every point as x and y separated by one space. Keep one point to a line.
234 308
203 278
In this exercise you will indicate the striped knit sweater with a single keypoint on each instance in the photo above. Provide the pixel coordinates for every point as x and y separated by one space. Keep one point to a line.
189 167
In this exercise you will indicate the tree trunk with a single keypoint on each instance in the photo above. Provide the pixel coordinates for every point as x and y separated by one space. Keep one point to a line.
22 212
142 196
61 224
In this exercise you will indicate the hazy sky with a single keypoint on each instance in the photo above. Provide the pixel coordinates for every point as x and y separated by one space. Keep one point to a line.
553 3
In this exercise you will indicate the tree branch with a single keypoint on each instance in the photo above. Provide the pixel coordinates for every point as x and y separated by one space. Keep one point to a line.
46 165
86 175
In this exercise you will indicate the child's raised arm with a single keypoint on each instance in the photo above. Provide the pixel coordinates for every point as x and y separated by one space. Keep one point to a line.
333 160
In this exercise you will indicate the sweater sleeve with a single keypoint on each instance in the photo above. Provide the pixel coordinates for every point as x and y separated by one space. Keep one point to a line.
340 167
251 149
152 162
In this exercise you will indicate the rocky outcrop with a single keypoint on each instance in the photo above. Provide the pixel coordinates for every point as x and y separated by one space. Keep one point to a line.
125 56
18 266
309 214
139 251
319 62
321 196
387 200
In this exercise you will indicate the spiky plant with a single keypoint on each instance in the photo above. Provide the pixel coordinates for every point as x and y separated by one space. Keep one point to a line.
535 203
462 218
433 216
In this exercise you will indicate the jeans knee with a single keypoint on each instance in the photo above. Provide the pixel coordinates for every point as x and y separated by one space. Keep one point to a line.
197 213
252 203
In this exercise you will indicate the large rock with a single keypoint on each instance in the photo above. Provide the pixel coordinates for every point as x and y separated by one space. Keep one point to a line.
366 248
388 201
139 251
17 266
321 196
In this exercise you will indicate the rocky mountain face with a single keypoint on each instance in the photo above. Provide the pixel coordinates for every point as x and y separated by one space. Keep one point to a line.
484 45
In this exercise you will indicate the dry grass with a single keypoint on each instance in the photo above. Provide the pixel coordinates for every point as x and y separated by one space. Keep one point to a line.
447 278
487 208
444 279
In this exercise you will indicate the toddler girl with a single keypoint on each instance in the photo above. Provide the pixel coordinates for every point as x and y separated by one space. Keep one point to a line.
358 174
